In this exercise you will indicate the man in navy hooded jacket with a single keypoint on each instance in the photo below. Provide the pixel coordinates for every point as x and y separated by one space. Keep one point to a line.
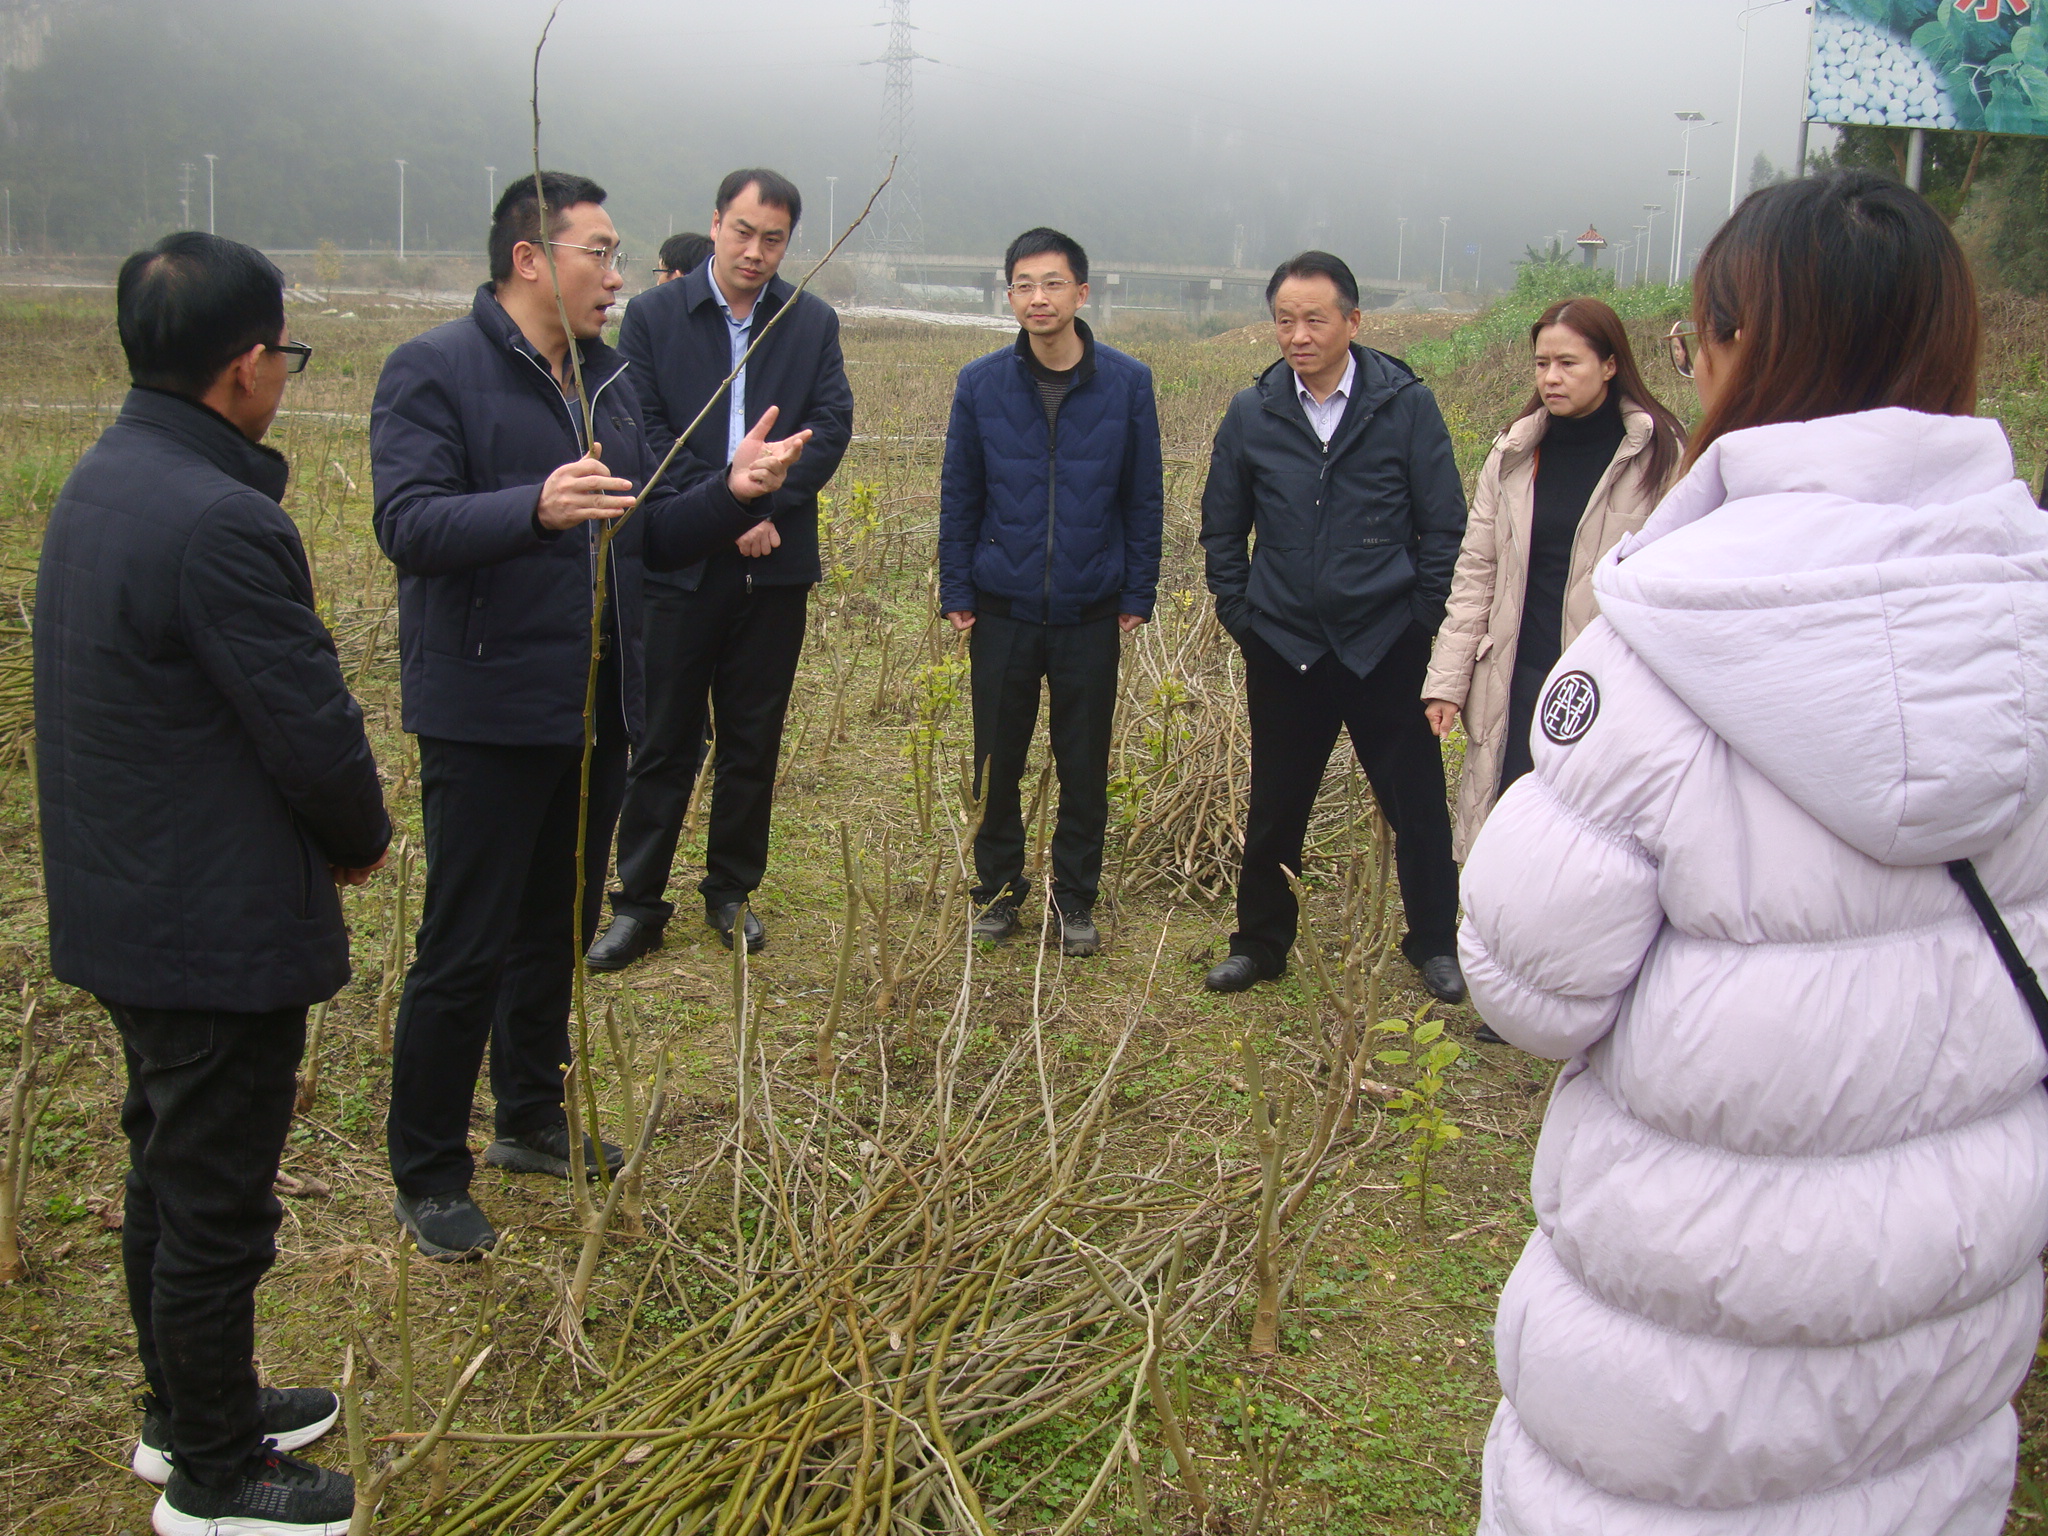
491 495
1050 507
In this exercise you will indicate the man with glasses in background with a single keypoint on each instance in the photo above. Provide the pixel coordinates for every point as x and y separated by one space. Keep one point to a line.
492 493
205 787
680 254
1050 511
726 633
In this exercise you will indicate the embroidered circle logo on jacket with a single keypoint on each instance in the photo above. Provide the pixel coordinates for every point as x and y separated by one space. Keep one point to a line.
1569 708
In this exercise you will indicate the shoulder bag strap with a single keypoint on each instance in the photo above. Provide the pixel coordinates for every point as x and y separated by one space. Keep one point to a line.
1964 873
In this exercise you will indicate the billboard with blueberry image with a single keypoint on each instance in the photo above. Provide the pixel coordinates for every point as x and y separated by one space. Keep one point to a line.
1977 65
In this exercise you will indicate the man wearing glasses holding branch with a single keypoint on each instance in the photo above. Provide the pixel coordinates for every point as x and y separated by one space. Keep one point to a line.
1050 508
492 496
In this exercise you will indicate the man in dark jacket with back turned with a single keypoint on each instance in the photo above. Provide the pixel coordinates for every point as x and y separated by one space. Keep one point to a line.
206 785
730 630
1340 462
490 499
1050 505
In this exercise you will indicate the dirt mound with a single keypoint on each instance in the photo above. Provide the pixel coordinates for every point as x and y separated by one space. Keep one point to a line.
1386 332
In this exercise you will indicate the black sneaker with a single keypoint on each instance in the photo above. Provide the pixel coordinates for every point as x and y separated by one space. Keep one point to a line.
998 922
547 1151
289 1417
445 1226
276 1493
1078 936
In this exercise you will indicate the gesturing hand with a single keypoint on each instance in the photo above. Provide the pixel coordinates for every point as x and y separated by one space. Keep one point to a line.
758 466
582 492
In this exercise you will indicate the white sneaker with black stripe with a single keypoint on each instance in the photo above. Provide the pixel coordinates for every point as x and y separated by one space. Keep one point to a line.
276 1495
291 1417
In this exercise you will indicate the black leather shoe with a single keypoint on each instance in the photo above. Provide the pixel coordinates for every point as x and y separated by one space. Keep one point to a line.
1442 979
1485 1036
620 945
722 918
1237 973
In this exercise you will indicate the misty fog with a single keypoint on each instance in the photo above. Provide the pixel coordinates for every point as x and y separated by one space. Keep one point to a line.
1195 132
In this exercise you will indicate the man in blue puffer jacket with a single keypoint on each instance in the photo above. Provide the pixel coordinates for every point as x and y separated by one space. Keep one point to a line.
1050 509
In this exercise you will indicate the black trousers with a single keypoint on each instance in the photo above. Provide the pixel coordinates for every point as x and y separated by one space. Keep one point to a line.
734 647
209 1101
1295 717
1079 664
498 940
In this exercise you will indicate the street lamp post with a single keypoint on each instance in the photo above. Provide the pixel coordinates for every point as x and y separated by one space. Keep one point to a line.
831 206
1688 121
1443 252
490 190
1649 228
401 210
1400 246
1741 83
209 194
1478 255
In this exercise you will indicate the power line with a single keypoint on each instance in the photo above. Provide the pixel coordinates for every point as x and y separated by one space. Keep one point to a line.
899 217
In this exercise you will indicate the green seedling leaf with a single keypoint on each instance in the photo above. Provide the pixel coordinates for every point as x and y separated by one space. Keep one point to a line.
1424 1033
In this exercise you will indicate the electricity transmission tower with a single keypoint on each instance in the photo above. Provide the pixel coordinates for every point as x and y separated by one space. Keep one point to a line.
899 216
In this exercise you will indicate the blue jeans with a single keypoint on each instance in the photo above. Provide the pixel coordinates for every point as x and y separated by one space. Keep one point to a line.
209 1102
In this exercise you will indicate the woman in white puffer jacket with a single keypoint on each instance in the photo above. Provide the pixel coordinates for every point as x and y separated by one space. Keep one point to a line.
1793 1185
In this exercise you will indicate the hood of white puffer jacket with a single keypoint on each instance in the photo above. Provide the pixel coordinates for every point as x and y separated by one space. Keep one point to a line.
1859 606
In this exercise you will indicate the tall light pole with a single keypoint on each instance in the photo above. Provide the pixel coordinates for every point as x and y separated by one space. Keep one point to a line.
831 207
1741 82
1400 246
1443 252
1650 212
1688 121
185 193
490 190
8 199
401 210
1641 250
209 194
1478 255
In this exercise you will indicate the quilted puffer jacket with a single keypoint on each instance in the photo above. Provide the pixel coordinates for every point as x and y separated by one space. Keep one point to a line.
1792 1187
1055 528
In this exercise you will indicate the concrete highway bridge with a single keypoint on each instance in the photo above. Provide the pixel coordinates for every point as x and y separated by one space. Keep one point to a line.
1115 285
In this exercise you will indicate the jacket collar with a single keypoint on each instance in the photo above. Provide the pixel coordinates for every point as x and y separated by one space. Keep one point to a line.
1524 433
697 291
1378 379
1022 348
209 434
601 364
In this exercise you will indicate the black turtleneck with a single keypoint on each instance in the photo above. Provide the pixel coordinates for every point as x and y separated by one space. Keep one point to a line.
1573 455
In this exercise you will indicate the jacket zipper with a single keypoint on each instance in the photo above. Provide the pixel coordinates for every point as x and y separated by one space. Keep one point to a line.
1052 453
581 441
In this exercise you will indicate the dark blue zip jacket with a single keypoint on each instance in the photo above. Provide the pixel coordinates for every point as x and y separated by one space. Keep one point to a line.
201 761
1357 539
494 612
675 337
1051 528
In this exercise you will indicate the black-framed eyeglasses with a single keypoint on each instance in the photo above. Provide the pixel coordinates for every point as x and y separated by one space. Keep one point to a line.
1682 339
296 355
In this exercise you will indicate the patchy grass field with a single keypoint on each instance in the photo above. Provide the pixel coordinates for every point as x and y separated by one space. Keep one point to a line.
1369 1415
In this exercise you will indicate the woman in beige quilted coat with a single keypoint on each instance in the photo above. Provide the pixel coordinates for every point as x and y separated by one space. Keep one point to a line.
1585 463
